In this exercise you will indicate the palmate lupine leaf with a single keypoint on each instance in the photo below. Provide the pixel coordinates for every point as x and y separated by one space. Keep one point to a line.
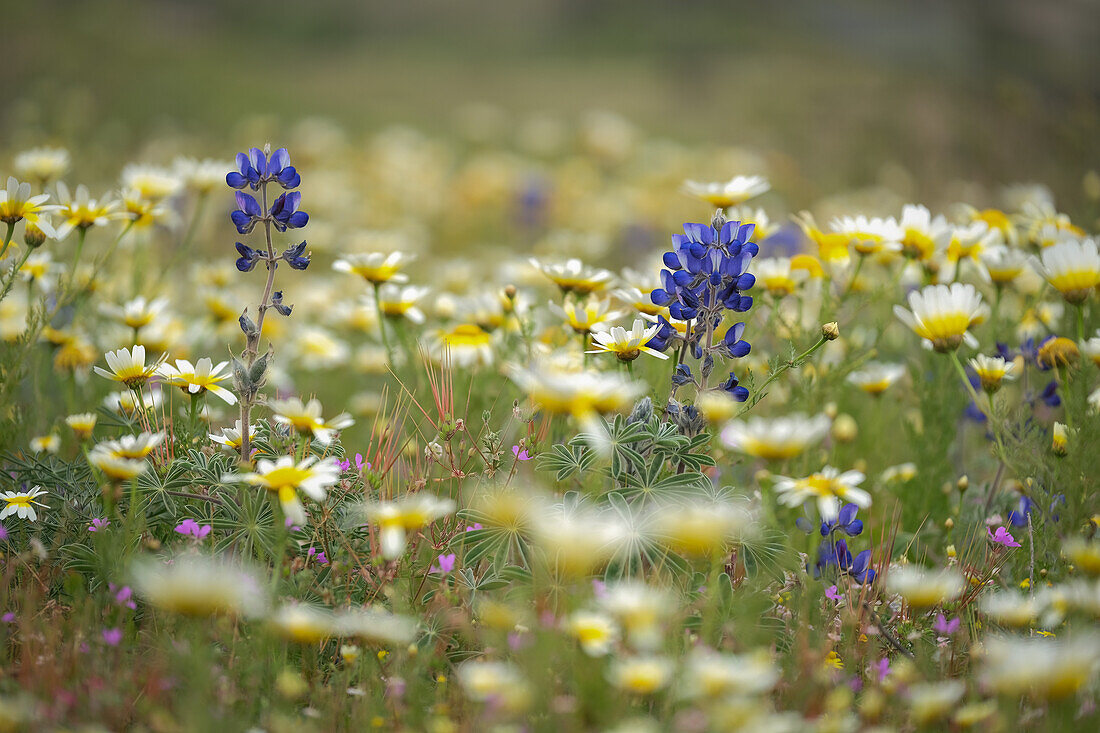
649 482
565 460
695 456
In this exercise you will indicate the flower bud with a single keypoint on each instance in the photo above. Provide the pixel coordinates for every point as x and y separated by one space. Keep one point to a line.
831 331
1060 441
962 484
949 524
845 428
33 237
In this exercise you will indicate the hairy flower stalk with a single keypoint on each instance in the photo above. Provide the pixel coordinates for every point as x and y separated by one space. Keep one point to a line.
256 170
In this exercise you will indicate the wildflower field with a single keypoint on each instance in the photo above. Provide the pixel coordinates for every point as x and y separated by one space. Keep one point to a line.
549 426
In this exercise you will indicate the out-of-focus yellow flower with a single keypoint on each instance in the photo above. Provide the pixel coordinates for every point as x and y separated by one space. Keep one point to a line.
151 182
925 588
1001 265
46 443
641 675
875 377
1072 267
584 317
922 235
869 236
302 623
197 585
832 248
1058 351
713 675
1046 669
596 632
395 519
376 267
580 394
1084 554
1010 608
82 424
81 211
777 275
1060 439
576 541
900 473
496 682
932 701
133 447
136 313
41 165
992 371
776 438
717 406
733 192
145 213
401 302
573 276
466 345
114 467
701 528
640 609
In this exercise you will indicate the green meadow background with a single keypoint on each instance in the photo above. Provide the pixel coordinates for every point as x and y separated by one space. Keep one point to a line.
848 92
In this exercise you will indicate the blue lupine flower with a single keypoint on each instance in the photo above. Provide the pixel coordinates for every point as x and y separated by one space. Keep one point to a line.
682 375
836 554
294 257
255 168
845 522
248 259
1049 395
285 213
247 214
861 570
739 393
733 343
1018 516
705 274
277 303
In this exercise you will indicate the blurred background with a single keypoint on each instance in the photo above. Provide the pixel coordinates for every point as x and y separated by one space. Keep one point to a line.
847 93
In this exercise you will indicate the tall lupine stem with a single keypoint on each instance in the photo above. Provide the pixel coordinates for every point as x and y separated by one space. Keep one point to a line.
256 169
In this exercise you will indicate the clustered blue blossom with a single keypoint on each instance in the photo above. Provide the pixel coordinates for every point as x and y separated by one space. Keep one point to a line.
707 275
255 170
833 554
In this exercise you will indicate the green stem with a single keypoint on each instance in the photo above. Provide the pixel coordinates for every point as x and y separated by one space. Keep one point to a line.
855 274
14 274
796 362
80 237
7 239
280 549
382 324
